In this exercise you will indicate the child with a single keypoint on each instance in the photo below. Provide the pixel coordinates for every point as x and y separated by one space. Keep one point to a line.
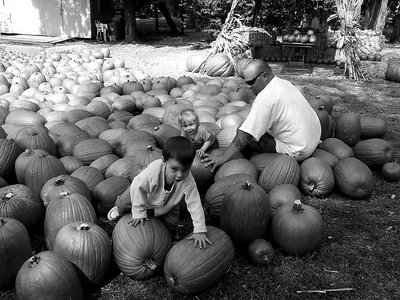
159 188
198 134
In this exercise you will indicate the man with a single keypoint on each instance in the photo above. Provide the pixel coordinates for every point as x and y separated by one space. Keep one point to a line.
280 120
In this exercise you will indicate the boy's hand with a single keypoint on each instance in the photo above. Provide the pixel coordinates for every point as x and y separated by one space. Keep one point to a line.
136 222
200 153
200 239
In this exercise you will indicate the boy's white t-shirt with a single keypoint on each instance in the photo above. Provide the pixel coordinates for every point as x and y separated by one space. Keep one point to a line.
281 110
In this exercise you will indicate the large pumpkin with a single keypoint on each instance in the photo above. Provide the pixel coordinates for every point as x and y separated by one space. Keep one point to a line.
89 175
88 247
87 151
202 174
15 248
19 202
262 160
348 128
9 152
374 152
219 65
283 194
120 167
336 147
393 69
353 178
236 166
329 158
245 212
316 177
142 159
372 127
282 169
48 275
297 228
140 251
190 270
30 138
194 61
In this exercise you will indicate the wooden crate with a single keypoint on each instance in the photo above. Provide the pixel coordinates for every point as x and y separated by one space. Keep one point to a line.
257 38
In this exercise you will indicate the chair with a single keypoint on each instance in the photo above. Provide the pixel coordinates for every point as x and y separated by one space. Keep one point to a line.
102 31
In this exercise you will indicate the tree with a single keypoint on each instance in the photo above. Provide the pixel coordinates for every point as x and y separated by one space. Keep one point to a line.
375 14
394 7
131 35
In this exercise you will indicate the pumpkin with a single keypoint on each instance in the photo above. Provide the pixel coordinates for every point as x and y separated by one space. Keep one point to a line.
260 252
19 202
282 169
9 152
120 167
142 159
88 247
194 61
70 163
120 115
226 136
22 162
235 166
104 162
391 171
142 120
190 270
329 158
87 151
283 194
326 123
24 118
66 144
241 64
15 248
297 228
393 69
202 175
40 169
140 251
261 160
93 126
219 65
354 179
374 152
215 194
323 101
163 132
36 278
106 192
316 177
348 128
68 209
75 115
336 147
245 212
372 127
59 185
89 175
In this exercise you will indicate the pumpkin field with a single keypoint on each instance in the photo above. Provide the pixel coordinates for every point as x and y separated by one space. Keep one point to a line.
80 120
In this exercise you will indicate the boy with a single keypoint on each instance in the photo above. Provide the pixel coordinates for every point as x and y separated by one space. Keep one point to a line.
198 134
159 188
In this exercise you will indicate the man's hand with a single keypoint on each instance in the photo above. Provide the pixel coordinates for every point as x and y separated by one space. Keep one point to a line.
135 222
200 239
214 160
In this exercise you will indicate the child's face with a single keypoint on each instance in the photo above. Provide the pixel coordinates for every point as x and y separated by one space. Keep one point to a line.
175 171
189 126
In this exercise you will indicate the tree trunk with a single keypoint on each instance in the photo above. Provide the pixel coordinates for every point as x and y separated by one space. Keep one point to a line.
256 10
395 36
164 10
156 20
131 35
375 14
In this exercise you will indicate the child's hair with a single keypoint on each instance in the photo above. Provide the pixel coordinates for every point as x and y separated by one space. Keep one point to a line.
188 115
179 148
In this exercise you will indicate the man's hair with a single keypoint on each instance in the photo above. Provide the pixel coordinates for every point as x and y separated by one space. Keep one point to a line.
181 149
188 115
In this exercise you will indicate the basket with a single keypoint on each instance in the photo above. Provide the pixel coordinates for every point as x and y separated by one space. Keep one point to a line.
257 38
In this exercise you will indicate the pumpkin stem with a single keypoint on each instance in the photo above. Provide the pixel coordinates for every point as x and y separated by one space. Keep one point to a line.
2 222
150 148
29 151
311 187
247 186
321 107
265 257
33 261
149 263
9 195
174 279
64 194
59 182
156 128
84 226
297 206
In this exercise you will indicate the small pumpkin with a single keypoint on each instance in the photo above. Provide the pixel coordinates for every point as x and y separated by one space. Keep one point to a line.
374 152
89 175
391 171
372 127
260 252
283 194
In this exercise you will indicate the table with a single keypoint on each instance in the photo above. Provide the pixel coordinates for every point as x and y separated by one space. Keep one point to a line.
297 65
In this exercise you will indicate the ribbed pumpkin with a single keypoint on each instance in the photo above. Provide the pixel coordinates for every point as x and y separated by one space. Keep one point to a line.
24 117
88 247
261 252
22 162
393 69
194 61
324 100
140 251
132 136
372 127
106 192
329 158
70 163
219 65
40 169
30 138
354 179
190 270
68 209
15 248
283 169
75 115
316 177
142 120
58 185
283 194
89 175
48 275
163 132
245 212
87 151
326 123
104 162
262 160
120 167
225 137
111 135
337 147
202 174
297 228
142 159
9 152
374 152
348 128
215 194
18 201
391 171
93 126
236 166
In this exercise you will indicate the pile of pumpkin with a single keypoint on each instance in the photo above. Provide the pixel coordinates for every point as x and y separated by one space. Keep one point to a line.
77 127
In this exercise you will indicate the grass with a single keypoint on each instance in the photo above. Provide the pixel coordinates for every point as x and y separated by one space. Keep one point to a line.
360 249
